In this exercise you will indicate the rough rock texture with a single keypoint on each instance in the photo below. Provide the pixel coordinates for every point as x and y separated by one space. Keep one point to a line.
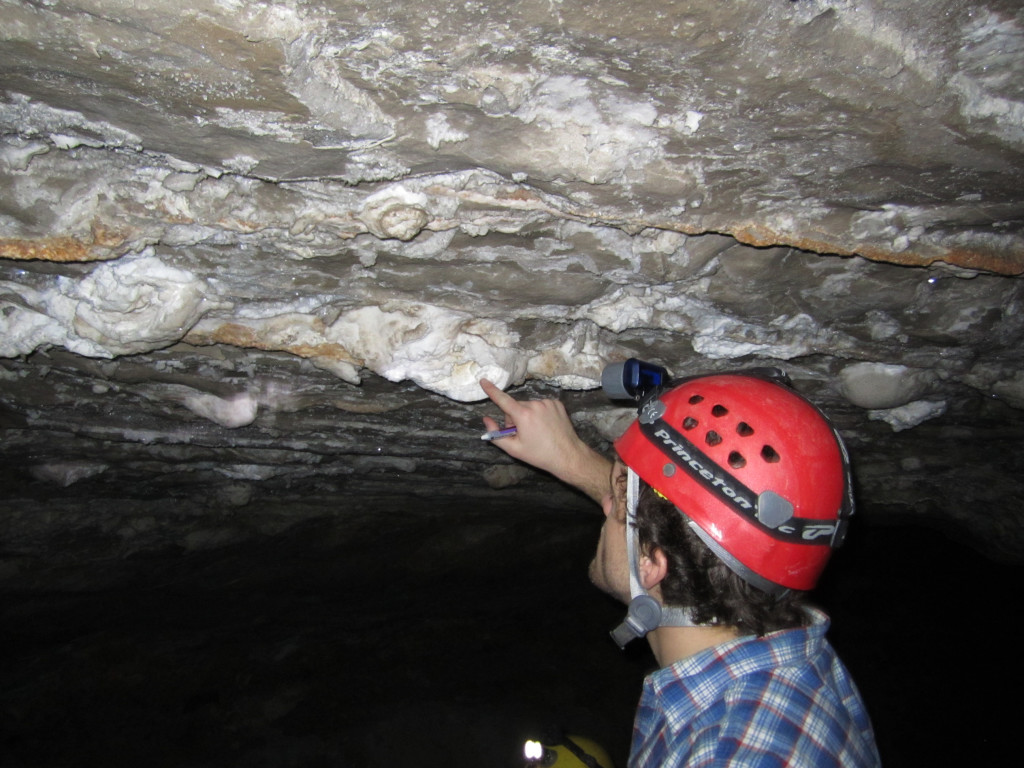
229 215
888 129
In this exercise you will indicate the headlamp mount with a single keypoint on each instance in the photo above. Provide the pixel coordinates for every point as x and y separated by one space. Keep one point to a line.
641 382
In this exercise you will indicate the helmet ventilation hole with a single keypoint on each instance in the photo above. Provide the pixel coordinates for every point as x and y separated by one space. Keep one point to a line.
689 423
736 460
770 455
719 411
744 430
712 438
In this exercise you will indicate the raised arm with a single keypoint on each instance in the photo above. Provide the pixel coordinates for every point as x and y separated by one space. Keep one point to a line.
546 438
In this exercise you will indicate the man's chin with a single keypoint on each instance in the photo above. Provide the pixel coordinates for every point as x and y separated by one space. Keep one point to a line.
595 576
598 580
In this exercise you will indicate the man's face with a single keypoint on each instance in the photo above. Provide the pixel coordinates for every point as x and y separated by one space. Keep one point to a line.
609 569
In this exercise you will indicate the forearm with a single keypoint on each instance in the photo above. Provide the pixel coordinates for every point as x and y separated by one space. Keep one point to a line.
588 471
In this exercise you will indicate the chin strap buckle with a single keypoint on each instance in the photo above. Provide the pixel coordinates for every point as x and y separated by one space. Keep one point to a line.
644 614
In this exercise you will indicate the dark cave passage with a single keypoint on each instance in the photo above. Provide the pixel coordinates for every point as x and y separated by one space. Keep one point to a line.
411 639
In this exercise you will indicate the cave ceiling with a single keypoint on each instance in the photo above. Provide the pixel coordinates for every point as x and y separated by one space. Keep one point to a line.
259 253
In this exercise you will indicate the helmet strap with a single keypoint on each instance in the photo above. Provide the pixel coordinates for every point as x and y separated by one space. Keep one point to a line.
644 612
733 564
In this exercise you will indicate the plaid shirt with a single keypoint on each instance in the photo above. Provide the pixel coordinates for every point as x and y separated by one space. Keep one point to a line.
784 699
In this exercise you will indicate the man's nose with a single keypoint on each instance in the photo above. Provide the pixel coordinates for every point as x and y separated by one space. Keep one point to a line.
608 505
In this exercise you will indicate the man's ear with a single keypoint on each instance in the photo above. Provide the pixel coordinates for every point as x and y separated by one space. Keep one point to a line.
653 568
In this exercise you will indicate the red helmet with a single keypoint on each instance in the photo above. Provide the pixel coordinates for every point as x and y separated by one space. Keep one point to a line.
758 470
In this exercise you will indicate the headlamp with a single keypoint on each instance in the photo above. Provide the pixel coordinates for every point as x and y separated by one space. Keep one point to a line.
633 379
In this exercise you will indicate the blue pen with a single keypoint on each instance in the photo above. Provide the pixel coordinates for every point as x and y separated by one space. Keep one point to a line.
497 434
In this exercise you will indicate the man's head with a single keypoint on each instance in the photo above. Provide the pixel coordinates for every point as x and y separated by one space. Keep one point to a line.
749 490
695 577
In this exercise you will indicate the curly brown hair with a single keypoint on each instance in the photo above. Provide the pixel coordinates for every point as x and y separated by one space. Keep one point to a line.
698 579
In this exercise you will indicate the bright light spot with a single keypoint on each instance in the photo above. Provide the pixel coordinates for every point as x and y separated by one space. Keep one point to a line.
533 750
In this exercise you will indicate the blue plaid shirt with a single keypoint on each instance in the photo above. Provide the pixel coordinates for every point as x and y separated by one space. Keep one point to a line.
784 699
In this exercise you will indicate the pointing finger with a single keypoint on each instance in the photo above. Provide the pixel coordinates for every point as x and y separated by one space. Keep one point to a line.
503 400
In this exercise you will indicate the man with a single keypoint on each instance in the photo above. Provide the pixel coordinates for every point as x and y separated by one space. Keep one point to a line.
721 508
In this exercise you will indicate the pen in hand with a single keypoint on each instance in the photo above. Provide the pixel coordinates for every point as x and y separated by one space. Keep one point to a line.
497 434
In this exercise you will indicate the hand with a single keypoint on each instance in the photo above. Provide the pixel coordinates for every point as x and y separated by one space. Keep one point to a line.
546 438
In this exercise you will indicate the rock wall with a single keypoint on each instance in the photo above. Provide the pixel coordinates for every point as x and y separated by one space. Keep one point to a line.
250 249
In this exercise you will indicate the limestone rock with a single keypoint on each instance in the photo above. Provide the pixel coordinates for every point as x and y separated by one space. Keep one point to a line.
288 235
